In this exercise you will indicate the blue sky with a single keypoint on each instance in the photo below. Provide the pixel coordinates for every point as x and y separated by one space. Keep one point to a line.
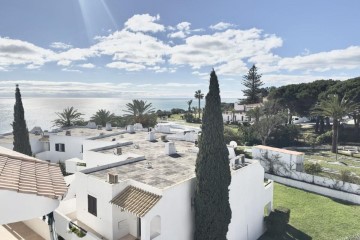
113 48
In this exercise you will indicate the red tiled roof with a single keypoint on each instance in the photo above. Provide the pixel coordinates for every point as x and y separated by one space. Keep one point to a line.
25 174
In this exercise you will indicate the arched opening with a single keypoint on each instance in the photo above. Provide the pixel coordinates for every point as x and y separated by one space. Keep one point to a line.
155 227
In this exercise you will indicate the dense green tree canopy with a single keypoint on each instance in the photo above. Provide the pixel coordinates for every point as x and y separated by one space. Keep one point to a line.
20 131
212 208
300 98
252 82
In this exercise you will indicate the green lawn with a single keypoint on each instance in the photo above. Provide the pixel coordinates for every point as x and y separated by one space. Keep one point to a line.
316 217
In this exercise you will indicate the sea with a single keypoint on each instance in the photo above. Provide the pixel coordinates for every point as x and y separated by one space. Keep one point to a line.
42 111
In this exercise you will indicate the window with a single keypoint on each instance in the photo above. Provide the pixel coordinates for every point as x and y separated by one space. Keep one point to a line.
92 205
60 147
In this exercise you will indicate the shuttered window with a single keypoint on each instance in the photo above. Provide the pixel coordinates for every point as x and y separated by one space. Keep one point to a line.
92 205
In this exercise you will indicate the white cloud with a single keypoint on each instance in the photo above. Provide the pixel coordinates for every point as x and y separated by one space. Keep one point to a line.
60 45
18 52
183 30
137 48
144 23
228 49
71 70
131 67
222 26
64 63
348 58
87 65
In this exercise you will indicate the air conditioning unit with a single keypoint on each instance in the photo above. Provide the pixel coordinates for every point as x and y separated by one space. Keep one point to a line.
68 133
112 178
118 151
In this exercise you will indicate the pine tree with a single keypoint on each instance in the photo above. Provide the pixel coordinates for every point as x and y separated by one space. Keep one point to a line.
212 208
20 131
252 82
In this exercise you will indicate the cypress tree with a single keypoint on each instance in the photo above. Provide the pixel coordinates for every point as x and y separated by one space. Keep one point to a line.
252 82
20 131
211 202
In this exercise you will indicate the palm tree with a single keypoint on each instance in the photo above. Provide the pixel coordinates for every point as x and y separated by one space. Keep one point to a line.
139 108
336 109
139 111
102 116
199 95
189 103
68 117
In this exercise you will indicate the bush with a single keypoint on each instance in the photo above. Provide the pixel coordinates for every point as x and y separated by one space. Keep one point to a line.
345 176
177 111
312 168
231 134
247 135
161 113
324 138
191 119
284 136
277 221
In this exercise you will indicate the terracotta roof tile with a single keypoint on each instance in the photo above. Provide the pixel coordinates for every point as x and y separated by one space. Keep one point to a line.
29 175
136 200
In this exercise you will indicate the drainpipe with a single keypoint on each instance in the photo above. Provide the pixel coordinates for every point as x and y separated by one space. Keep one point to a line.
51 223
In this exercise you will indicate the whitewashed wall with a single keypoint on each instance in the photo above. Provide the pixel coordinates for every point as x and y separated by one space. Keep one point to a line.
316 189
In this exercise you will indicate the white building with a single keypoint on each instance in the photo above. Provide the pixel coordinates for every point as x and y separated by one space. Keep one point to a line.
239 113
29 189
277 159
142 186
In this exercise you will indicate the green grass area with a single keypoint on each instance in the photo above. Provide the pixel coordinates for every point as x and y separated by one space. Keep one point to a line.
316 217
177 118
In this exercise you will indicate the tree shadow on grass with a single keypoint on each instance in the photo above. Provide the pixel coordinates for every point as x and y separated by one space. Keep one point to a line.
291 234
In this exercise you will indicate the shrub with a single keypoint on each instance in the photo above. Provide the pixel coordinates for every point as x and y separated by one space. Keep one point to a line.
277 221
177 111
345 176
324 138
312 168
231 134
191 119
284 136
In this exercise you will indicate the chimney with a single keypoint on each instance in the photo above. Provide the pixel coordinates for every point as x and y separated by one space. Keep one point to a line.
130 128
108 127
170 148
112 177
118 151
151 136
242 158
68 133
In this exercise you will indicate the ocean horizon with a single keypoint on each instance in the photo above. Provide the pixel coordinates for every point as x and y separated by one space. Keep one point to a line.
42 111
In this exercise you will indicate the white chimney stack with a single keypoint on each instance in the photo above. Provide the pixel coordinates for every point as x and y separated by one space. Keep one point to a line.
170 148
151 136
130 128
108 127
112 177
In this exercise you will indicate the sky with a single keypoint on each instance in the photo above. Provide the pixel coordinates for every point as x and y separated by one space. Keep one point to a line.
164 48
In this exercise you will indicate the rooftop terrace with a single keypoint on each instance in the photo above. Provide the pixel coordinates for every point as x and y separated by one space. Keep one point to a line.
166 170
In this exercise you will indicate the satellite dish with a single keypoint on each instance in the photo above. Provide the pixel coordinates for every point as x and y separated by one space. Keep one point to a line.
233 144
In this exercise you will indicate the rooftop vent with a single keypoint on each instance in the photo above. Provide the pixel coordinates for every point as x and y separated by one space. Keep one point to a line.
150 136
108 127
112 178
130 128
170 148
148 165
118 151
99 127
68 133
